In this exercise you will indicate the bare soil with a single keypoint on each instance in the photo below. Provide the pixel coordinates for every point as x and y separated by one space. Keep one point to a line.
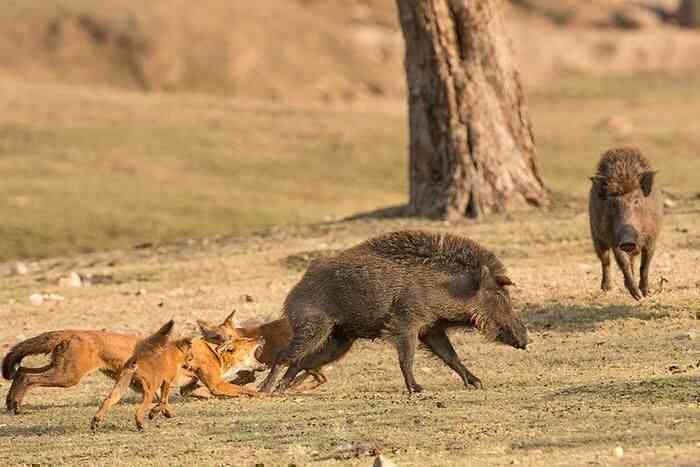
602 372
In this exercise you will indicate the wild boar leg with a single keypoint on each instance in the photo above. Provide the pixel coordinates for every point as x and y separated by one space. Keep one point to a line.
406 346
269 381
603 253
647 254
626 264
288 377
438 343
335 347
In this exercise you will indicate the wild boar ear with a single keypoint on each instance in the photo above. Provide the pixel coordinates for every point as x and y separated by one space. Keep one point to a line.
600 185
229 319
503 280
646 181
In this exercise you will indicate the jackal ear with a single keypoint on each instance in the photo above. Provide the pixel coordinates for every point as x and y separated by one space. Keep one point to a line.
600 185
646 181
503 280
229 319
204 326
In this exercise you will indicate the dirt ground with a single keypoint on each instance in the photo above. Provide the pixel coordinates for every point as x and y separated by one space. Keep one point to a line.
605 381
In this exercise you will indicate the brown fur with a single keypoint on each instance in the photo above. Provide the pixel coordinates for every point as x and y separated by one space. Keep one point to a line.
625 213
74 354
406 286
276 335
77 353
155 364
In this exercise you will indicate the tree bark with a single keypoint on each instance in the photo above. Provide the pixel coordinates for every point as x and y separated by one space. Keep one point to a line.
471 146
689 13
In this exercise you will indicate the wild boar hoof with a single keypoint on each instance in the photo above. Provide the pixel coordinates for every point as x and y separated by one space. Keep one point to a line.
635 292
415 387
13 407
644 289
477 384
605 286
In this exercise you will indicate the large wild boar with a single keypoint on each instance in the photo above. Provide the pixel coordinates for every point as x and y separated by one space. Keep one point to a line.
625 212
407 287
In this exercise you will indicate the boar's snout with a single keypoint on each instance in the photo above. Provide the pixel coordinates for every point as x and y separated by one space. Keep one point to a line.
628 240
514 336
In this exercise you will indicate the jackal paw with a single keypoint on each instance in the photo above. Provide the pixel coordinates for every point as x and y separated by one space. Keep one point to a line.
154 412
95 424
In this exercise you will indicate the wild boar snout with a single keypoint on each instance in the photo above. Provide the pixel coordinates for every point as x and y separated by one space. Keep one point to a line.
628 240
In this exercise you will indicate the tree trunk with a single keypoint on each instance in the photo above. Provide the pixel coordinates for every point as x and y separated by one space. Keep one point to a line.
689 13
471 145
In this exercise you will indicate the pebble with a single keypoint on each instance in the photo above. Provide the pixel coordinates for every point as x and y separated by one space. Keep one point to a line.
20 269
36 298
381 461
619 452
73 280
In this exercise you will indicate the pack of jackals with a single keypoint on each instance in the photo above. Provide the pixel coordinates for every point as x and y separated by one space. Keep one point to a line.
408 287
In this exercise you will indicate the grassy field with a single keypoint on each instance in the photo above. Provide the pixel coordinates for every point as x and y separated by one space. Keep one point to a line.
86 169
602 371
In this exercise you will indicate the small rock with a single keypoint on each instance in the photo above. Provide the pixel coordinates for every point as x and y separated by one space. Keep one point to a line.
36 298
616 125
381 461
73 280
20 269
686 336
619 452
440 405
669 203
140 292
248 298
675 369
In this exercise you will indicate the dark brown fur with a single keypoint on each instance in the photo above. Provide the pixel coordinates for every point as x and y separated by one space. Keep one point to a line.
407 287
625 212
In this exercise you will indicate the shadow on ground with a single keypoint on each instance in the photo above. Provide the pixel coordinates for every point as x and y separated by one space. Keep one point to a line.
390 212
600 441
581 318
663 389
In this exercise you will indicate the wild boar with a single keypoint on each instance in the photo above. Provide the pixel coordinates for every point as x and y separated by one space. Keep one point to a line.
408 287
625 211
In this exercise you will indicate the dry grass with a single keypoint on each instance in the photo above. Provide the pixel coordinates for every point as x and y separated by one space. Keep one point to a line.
87 169
602 370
